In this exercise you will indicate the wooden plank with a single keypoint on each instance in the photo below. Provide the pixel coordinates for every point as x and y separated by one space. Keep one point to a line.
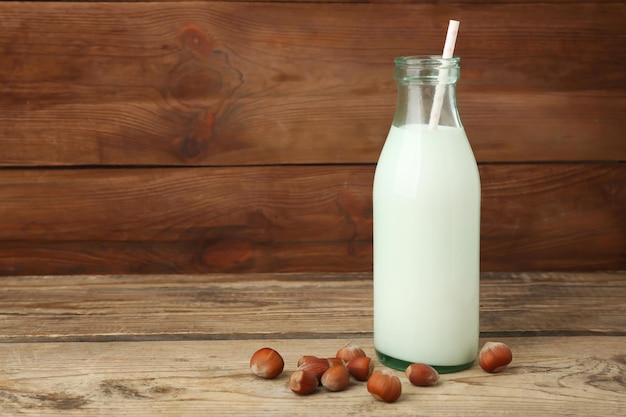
289 218
192 220
204 307
553 303
553 217
227 83
555 376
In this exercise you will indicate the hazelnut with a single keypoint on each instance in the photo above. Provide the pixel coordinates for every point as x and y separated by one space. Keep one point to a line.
317 366
349 351
266 363
422 375
306 358
335 361
494 357
336 378
384 386
361 368
303 382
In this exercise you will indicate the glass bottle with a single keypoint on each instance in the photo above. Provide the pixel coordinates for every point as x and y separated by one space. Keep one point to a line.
426 201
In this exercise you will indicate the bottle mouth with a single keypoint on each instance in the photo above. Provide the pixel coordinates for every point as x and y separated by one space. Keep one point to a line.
427 69
428 61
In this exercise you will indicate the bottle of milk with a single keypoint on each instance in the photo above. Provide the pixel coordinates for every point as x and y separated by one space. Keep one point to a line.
426 226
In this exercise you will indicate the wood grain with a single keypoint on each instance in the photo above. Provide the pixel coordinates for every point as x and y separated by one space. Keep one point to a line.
265 306
223 94
112 345
576 376
228 83
289 218
559 217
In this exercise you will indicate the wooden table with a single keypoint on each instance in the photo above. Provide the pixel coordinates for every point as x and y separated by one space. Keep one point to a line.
180 345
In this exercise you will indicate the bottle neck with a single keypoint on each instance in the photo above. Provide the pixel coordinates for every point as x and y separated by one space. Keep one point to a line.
427 85
415 105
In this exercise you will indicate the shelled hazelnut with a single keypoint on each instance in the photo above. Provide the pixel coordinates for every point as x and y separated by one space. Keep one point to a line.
266 363
336 378
350 351
335 361
306 358
313 364
384 386
422 375
495 357
361 368
303 382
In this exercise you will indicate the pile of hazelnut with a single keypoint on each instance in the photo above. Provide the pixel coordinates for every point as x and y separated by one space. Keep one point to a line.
351 361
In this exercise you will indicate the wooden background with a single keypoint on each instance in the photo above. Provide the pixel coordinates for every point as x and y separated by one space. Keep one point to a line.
192 137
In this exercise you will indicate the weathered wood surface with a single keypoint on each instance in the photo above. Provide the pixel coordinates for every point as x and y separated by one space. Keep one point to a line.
260 306
110 345
551 376
228 83
294 218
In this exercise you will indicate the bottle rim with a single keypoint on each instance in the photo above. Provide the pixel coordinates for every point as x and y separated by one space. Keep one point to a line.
427 61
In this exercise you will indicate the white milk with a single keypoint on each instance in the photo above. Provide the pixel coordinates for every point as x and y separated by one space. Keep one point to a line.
426 247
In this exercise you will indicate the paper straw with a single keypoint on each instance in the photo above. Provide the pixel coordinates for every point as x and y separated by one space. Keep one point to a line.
448 51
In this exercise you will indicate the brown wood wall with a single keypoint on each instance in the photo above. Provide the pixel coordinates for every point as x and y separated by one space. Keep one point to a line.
170 137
